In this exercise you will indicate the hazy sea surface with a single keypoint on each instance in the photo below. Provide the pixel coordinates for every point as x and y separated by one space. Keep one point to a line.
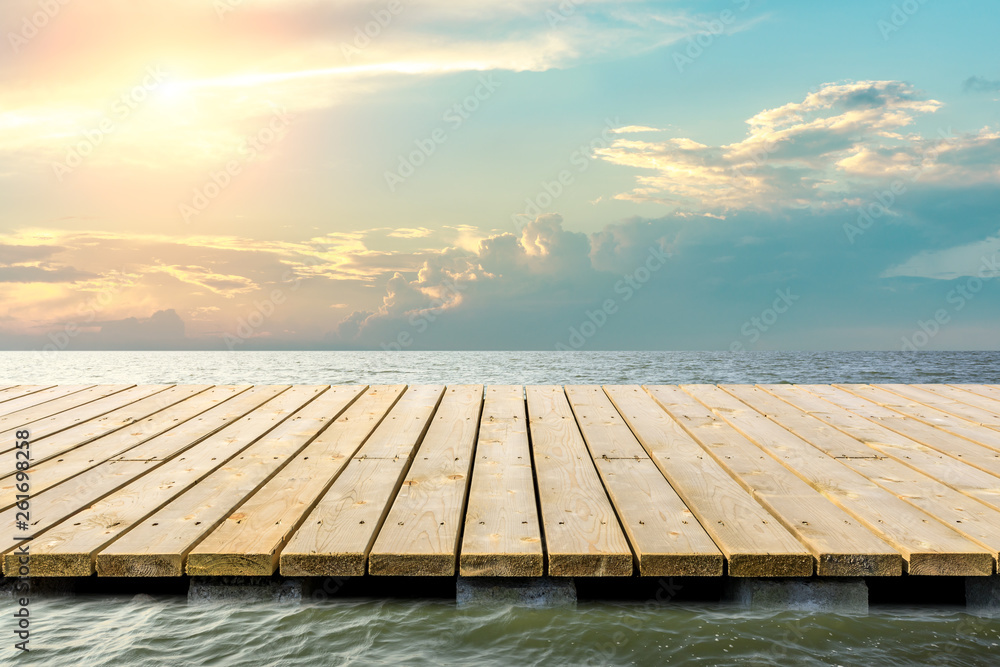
390 629
498 367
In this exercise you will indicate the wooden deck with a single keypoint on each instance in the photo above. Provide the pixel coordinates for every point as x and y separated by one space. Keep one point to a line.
582 481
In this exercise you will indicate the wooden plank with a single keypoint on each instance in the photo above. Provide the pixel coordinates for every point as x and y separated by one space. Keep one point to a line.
754 543
19 391
103 399
394 439
248 542
972 519
946 404
961 396
582 535
70 549
123 442
195 450
842 546
420 535
604 431
338 534
502 535
984 390
928 546
36 398
975 521
665 536
158 546
948 470
898 406
63 398
89 431
930 437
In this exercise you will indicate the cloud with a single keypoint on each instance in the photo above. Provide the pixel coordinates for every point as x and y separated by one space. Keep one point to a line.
628 129
978 84
219 81
32 264
528 290
164 329
980 259
38 274
226 285
819 153
213 282
507 272
19 254
521 291
410 233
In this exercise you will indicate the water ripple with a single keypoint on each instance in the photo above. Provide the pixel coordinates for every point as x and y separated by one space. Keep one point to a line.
105 632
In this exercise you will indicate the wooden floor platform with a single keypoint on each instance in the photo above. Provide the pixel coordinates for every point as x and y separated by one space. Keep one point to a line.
581 481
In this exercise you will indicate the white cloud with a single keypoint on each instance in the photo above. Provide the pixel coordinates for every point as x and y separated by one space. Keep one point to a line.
810 154
410 233
507 273
628 129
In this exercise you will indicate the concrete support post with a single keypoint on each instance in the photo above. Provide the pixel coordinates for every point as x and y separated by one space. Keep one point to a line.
526 592
247 589
982 595
848 595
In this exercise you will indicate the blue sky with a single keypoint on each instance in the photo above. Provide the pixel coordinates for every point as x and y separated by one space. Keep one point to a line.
500 175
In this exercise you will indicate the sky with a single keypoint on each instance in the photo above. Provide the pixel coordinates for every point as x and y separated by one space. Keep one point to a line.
502 175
